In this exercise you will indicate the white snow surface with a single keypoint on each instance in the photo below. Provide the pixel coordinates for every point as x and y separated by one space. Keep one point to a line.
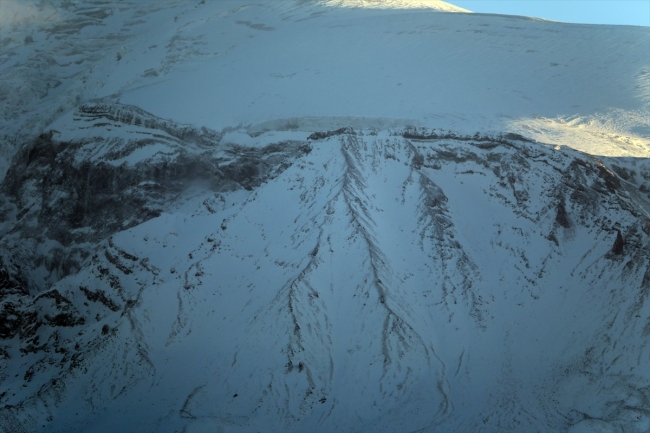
227 63
396 4
381 281
359 291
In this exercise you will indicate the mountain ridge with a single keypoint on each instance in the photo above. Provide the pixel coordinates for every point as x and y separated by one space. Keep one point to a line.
293 216
119 280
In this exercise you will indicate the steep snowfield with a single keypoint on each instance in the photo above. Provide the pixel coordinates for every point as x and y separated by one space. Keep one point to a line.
461 71
321 216
375 281
224 63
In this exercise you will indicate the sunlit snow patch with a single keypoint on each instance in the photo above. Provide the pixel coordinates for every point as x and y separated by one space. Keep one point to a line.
615 133
397 4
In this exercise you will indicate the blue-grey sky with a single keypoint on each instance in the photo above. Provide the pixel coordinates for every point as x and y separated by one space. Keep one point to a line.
630 12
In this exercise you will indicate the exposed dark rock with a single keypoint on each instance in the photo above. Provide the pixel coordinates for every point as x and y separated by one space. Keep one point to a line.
611 180
623 172
486 142
100 296
10 320
117 263
457 157
561 217
517 137
10 283
327 134
417 161
619 243
65 319
29 374
59 299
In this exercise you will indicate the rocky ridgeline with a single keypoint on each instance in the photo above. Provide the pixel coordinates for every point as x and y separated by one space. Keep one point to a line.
60 202
63 199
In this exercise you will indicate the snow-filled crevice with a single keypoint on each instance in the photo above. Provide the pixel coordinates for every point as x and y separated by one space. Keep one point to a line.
458 271
399 337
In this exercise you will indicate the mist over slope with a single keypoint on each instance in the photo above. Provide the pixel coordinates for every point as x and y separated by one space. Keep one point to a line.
321 216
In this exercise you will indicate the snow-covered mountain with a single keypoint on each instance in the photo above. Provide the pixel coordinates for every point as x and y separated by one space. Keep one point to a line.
316 216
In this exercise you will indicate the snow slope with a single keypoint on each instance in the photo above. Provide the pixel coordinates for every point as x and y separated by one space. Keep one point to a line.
397 280
464 72
322 216
277 61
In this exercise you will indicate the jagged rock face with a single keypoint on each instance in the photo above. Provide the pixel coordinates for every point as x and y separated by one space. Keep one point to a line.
350 280
60 195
